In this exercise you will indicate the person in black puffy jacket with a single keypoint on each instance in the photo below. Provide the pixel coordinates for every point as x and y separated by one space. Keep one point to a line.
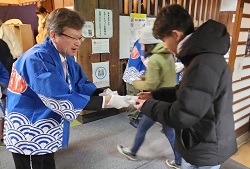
200 107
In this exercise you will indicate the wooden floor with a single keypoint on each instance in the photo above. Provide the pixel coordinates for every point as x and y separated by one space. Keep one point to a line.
243 154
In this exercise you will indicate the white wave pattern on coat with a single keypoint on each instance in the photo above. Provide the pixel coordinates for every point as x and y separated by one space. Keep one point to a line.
42 137
62 107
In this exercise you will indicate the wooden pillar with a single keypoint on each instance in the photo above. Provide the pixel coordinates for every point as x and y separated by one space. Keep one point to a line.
85 57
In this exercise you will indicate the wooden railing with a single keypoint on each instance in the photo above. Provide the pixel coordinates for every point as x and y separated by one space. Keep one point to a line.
241 85
200 10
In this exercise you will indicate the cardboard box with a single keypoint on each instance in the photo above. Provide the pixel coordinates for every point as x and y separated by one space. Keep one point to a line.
25 35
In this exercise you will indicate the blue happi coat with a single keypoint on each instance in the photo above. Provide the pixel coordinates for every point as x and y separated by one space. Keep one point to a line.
41 103
4 79
135 67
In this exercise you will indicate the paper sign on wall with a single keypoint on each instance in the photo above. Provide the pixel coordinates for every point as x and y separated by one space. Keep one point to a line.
247 52
100 46
137 22
100 74
104 23
88 29
238 67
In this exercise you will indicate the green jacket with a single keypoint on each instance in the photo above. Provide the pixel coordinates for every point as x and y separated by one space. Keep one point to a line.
160 70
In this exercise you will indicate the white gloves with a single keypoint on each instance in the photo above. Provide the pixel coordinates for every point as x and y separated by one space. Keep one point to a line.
118 102
131 99
108 92
178 67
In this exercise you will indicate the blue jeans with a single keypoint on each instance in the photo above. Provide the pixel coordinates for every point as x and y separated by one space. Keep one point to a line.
144 124
186 165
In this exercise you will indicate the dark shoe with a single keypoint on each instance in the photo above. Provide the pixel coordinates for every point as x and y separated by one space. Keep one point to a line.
172 164
126 152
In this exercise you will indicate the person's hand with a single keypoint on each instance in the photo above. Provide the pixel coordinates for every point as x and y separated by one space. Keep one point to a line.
138 104
107 99
144 95
117 101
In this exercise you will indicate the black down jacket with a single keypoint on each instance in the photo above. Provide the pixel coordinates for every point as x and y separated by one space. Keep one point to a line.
200 108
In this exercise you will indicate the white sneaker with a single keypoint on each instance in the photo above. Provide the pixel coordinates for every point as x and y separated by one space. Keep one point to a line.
172 164
126 152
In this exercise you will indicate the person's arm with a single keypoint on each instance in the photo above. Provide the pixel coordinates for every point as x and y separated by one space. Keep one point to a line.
4 75
192 102
4 79
152 78
167 94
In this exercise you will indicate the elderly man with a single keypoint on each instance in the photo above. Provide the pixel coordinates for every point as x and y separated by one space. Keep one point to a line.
47 90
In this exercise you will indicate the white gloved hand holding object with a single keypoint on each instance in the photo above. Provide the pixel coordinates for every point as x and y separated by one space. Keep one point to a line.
108 92
118 102
178 67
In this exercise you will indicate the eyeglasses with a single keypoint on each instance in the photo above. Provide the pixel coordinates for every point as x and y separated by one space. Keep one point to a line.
81 39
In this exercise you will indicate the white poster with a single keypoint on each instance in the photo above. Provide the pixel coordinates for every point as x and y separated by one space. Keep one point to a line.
100 74
137 22
100 46
104 23
238 67
151 21
88 29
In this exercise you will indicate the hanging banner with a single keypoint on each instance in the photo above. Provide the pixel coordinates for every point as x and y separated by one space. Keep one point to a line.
100 74
104 23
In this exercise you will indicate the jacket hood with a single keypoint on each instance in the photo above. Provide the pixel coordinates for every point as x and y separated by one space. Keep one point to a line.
211 37
159 49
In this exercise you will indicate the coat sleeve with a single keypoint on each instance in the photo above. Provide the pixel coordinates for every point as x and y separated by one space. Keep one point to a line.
167 94
82 84
48 82
193 100
152 79
4 78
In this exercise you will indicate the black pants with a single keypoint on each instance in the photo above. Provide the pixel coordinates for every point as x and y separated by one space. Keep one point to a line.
46 161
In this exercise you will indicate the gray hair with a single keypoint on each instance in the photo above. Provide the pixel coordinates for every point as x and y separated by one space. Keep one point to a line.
62 18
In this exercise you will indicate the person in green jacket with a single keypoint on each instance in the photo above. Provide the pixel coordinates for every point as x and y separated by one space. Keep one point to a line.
160 73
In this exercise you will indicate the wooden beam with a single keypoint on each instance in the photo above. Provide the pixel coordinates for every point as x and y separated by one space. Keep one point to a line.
135 6
148 7
156 7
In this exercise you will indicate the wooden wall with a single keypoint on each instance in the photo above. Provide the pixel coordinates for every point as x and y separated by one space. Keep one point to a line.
241 87
85 57
227 17
201 10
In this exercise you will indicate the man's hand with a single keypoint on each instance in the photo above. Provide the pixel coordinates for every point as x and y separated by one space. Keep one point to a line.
107 99
144 95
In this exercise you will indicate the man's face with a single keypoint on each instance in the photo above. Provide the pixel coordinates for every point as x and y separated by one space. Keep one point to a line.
67 43
171 42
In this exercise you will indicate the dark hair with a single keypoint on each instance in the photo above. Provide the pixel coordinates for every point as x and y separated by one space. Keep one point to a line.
148 49
41 10
62 18
172 17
